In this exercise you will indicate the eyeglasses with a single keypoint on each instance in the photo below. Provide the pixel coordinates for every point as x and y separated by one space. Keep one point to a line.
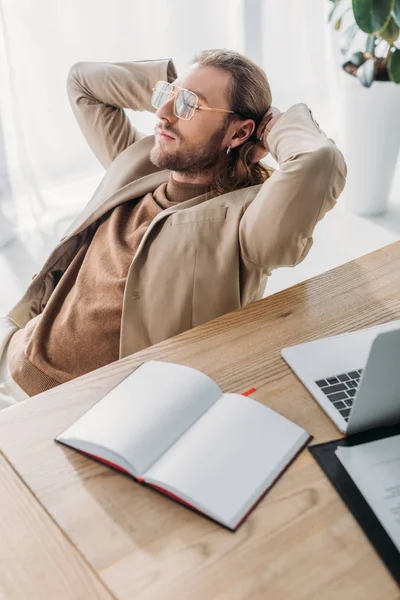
185 102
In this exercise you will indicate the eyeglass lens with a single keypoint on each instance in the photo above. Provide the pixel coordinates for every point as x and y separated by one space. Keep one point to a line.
185 101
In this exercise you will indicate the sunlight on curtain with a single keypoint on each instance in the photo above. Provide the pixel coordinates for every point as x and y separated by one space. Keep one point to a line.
39 43
298 57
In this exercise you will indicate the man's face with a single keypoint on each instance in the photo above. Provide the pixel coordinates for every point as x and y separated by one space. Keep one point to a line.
197 145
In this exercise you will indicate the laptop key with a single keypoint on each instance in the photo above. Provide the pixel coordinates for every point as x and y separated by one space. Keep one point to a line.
345 412
352 393
349 402
353 374
338 396
343 377
352 384
339 405
332 380
339 387
321 383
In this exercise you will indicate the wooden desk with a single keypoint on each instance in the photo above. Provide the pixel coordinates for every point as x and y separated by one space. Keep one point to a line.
36 559
300 542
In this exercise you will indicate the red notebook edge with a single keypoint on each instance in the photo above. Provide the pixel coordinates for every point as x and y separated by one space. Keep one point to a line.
142 481
183 502
98 458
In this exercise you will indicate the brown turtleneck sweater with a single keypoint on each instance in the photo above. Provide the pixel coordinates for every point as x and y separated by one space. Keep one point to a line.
79 329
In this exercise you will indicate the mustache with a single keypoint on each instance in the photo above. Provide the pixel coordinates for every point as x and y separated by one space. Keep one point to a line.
168 130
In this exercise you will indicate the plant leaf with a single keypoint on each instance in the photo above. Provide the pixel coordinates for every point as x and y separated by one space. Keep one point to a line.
347 37
365 73
357 59
396 12
391 32
370 45
372 16
332 11
394 66
339 10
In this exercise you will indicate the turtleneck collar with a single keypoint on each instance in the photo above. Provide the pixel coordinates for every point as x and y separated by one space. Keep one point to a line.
179 192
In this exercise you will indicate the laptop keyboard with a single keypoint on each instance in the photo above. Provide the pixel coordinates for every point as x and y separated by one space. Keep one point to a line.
341 389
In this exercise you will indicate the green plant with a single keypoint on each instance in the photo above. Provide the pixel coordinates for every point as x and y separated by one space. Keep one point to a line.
380 20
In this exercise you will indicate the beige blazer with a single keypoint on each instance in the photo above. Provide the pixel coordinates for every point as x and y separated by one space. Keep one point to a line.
204 257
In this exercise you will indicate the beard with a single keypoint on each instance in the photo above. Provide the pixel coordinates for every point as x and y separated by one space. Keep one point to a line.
193 160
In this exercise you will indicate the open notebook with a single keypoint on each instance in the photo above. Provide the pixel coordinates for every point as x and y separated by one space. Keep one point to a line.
171 427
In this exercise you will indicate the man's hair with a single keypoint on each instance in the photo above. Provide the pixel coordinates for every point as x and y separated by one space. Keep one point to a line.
249 95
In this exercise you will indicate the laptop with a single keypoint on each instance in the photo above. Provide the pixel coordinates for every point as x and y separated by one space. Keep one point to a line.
354 377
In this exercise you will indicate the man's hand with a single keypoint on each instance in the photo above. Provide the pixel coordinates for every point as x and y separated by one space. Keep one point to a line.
261 148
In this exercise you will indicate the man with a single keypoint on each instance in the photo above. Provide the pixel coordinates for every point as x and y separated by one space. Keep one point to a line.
185 226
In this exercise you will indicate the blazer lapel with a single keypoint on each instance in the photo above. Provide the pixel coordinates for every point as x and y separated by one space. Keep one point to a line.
164 213
95 209
130 176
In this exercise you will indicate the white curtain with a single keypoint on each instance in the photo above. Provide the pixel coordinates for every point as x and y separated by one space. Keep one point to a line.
297 54
44 149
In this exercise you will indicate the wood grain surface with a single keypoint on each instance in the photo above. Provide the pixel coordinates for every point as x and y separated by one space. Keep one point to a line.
300 542
37 561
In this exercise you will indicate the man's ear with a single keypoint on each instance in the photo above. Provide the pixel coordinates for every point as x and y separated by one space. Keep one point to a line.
243 131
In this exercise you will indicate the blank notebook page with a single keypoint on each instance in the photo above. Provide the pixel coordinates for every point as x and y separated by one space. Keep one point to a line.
146 413
224 462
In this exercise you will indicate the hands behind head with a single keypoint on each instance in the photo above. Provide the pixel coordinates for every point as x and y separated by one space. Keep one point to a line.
261 148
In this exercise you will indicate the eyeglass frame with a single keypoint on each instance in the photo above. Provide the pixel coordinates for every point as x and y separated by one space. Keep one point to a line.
196 107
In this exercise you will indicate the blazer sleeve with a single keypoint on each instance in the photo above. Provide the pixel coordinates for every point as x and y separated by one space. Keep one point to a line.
276 227
99 92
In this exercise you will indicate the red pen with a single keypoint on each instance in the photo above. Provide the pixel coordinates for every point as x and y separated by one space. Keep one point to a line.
248 392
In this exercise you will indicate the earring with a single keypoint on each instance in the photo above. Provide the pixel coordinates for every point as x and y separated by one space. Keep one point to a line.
228 149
